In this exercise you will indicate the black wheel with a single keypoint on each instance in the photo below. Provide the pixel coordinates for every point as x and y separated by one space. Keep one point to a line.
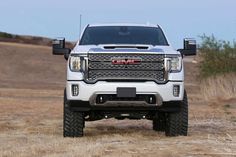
73 122
177 123
159 122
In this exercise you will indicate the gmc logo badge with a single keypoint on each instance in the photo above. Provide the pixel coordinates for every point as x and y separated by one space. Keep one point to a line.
125 61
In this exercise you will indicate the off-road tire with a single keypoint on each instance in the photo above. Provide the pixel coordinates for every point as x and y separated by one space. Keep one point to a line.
177 122
159 122
73 122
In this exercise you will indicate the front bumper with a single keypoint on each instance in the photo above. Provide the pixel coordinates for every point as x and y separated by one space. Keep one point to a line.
87 92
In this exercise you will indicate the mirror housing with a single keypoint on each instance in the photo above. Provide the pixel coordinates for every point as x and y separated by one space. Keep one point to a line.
58 48
190 47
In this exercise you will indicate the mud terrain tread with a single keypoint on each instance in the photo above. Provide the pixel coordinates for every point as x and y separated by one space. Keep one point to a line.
73 122
177 123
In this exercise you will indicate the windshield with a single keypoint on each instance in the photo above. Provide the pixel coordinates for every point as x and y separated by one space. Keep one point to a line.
123 35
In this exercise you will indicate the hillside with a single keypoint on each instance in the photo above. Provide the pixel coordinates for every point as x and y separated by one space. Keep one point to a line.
26 39
30 66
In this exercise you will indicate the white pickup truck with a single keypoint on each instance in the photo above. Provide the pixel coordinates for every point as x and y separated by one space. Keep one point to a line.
125 71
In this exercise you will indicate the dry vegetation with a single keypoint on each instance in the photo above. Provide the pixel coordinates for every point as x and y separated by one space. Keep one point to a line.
31 90
219 87
218 57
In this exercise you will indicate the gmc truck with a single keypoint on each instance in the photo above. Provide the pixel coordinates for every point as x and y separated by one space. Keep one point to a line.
125 71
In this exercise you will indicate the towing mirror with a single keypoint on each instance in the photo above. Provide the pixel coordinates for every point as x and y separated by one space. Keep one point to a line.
58 48
190 47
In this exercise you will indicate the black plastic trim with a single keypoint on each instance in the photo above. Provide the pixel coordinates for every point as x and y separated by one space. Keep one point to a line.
175 81
132 81
124 80
77 105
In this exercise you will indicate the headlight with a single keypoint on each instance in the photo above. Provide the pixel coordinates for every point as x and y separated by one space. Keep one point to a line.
176 64
75 63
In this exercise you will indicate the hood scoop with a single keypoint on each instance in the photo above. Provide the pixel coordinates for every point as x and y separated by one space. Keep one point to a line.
126 47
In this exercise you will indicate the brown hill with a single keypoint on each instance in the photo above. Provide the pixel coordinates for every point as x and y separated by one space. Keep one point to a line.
30 66
26 39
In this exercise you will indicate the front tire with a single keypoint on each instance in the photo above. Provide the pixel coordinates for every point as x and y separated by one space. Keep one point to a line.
73 122
177 123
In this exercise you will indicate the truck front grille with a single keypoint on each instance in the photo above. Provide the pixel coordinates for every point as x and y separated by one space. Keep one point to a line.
150 67
145 57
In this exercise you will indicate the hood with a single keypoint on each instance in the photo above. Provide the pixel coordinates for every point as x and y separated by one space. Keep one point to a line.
118 48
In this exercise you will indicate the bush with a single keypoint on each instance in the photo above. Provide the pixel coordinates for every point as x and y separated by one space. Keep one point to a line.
5 35
218 56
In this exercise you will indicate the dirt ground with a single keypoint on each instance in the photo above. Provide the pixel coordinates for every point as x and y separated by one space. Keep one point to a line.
31 94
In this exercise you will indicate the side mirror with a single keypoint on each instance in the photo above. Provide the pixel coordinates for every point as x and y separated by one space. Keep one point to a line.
58 48
190 47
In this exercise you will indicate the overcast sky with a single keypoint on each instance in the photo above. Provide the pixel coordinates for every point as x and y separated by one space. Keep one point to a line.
178 18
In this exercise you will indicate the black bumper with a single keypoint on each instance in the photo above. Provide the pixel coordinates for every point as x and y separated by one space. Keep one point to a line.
84 106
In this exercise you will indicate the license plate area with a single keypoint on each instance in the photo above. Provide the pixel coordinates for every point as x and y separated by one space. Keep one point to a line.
126 92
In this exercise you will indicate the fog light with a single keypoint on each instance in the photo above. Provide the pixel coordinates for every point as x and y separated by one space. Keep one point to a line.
176 90
100 99
75 90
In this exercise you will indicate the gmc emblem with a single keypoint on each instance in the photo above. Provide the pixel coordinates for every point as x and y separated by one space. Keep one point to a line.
125 61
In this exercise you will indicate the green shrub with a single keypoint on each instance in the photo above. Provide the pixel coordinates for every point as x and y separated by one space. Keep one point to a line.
5 35
218 56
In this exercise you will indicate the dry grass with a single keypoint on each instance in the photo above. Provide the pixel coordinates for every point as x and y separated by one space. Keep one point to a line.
219 87
32 126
